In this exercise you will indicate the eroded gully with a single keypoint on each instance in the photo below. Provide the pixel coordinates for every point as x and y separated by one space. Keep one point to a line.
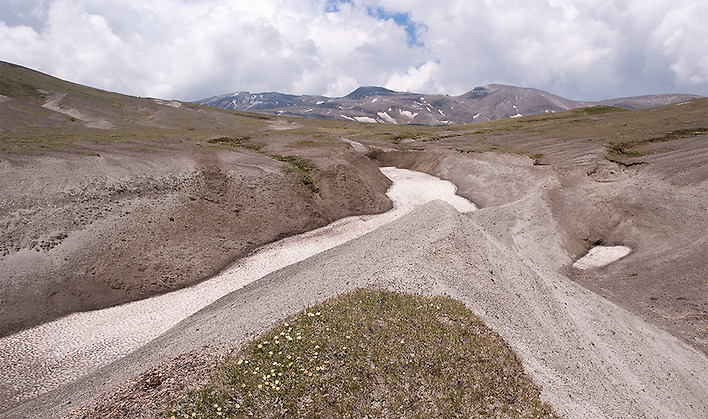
40 359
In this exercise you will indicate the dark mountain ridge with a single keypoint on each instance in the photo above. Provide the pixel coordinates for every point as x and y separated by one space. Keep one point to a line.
381 105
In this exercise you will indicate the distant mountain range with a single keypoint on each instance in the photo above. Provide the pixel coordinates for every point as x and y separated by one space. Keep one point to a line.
377 104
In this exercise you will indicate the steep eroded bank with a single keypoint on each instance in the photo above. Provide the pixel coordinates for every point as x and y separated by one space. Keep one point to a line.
553 214
91 230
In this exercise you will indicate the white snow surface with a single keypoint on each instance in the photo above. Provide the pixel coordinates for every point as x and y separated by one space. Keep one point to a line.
365 119
40 359
408 114
518 114
600 256
386 117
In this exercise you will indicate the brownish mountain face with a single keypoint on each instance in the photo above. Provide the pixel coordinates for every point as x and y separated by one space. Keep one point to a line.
380 105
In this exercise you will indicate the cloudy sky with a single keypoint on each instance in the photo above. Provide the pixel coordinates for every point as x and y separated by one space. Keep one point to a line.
193 49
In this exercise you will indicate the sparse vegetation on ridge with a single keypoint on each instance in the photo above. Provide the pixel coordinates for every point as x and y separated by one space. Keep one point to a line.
303 166
618 152
372 354
300 164
233 142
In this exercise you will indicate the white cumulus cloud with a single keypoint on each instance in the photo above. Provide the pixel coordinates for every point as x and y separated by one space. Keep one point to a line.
191 49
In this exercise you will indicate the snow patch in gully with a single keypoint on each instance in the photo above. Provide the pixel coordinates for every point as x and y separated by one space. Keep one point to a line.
45 357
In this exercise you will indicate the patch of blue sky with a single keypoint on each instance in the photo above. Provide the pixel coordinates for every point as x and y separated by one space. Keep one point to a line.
332 6
401 19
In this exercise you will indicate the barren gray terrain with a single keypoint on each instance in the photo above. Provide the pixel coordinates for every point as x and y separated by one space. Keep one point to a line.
591 357
45 357
94 216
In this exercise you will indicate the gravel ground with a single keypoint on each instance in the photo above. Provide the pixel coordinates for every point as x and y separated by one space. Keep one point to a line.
103 223
121 222
591 358
509 262
37 360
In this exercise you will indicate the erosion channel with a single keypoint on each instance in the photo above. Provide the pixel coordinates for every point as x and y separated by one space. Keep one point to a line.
40 359
505 261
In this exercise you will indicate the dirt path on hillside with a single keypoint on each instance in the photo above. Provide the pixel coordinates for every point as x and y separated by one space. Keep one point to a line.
54 103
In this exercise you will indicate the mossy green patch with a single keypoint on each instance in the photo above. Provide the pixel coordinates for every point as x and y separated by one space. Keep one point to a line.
372 354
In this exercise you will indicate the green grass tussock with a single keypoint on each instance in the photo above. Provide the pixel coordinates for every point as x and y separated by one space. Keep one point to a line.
618 151
601 110
233 142
297 163
371 354
679 133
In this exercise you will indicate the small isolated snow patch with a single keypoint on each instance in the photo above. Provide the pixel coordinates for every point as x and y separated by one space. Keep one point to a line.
408 114
357 146
172 103
600 256
386 117
365 119
518 114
